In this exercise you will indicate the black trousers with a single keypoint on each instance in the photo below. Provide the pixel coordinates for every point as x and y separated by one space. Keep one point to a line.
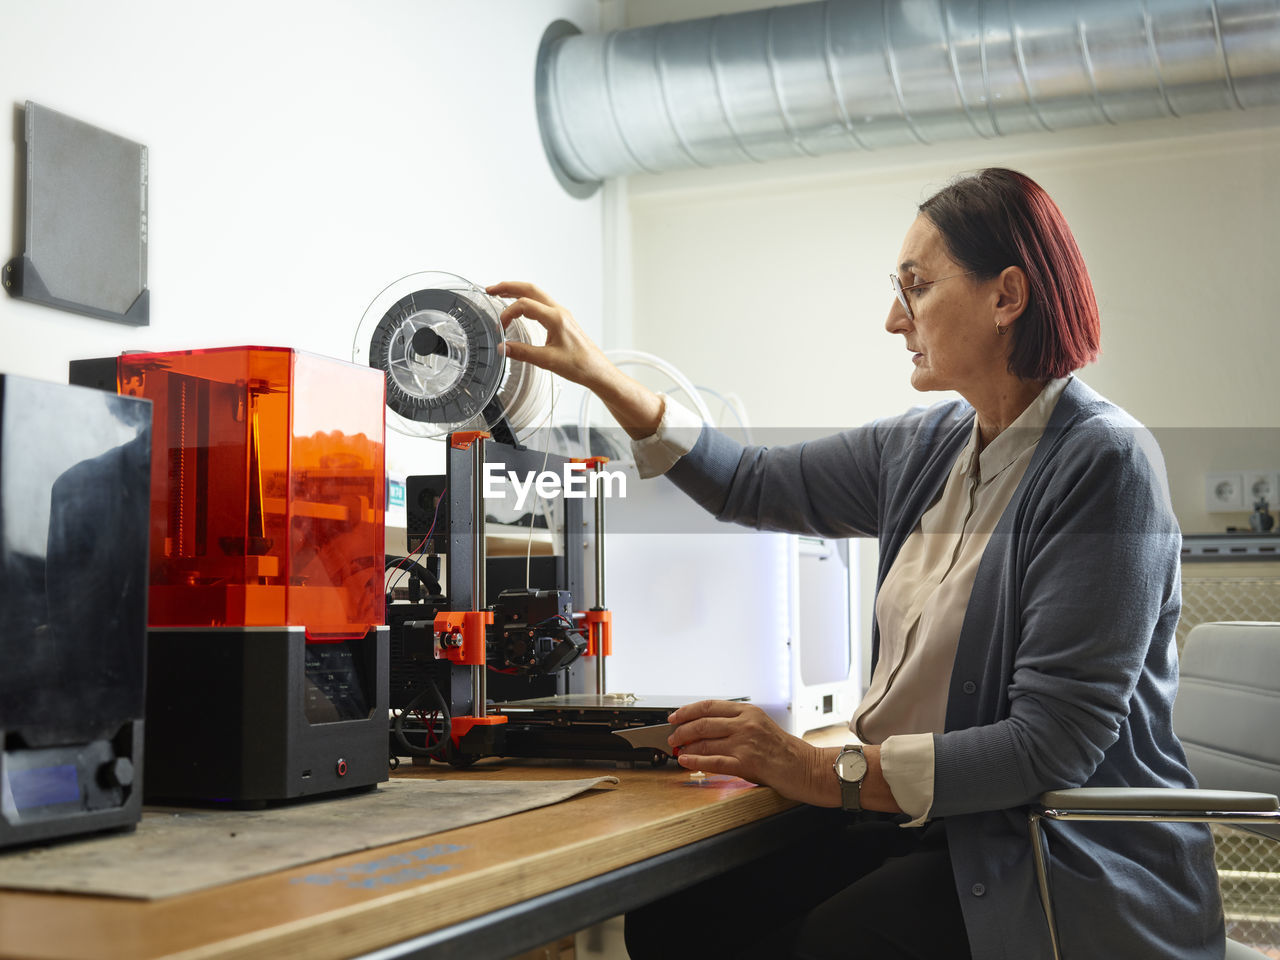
874 890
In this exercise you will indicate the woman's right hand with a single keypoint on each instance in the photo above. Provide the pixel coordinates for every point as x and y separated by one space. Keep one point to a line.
571 354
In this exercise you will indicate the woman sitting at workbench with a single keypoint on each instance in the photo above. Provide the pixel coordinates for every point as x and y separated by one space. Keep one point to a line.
1023 641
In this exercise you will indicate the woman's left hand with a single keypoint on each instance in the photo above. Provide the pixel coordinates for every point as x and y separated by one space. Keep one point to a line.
739 739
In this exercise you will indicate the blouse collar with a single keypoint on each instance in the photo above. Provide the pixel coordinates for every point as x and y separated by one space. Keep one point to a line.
1015 439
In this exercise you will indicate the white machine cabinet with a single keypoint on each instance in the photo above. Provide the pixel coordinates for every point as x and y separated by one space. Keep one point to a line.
702 608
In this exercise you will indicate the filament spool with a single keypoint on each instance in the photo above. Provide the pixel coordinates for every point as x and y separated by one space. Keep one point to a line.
438 338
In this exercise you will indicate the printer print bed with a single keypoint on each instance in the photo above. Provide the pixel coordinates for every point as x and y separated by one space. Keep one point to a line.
176 851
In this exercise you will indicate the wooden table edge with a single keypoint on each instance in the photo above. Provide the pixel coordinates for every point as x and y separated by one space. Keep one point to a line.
396 917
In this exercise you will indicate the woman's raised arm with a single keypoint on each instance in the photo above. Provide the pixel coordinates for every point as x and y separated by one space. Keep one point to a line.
571 354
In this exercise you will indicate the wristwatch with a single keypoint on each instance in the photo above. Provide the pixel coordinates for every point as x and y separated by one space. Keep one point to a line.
851 768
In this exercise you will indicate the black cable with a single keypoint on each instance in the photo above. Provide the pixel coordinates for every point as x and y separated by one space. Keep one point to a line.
428 579
563 621
435 516
434 752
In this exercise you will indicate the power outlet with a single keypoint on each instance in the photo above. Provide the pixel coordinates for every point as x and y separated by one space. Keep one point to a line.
1224 492
1261 485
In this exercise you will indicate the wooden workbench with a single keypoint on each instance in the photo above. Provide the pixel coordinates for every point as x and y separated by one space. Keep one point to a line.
501 887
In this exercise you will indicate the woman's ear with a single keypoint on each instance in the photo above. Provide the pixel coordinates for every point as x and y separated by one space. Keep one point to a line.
1013 293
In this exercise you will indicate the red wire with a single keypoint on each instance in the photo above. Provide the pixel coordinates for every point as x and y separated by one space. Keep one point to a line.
431 529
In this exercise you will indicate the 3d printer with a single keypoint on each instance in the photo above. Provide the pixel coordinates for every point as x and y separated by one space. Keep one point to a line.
267 665
485 627
74 469
505 676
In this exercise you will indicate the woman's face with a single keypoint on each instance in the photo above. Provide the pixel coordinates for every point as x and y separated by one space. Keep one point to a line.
952 337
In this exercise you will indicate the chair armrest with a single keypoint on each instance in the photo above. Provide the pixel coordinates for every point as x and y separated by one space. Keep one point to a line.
1260 811
1163 800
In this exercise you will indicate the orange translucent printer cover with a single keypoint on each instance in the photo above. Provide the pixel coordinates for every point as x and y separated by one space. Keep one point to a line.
267 487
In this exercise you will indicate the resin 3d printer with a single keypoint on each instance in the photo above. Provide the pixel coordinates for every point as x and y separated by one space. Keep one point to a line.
267 664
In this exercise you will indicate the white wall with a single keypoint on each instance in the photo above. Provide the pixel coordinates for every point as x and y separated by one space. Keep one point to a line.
302 156
643 13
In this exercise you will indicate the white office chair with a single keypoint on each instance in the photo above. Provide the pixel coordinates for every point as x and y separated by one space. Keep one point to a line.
1228 717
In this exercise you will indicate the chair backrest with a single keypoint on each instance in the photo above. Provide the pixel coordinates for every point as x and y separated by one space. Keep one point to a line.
1227 713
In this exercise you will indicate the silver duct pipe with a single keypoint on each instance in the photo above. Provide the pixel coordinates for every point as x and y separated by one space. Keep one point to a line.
818 78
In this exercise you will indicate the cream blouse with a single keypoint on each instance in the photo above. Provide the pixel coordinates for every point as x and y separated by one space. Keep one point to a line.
922 603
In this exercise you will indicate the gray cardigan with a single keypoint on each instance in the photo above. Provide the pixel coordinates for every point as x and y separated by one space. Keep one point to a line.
1065 671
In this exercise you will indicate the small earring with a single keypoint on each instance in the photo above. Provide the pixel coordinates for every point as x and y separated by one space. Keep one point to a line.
1001 331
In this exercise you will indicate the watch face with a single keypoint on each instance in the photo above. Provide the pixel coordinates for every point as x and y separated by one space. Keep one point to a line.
851 766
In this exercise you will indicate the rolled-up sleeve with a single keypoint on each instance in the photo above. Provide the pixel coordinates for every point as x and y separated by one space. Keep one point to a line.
676 435
906 761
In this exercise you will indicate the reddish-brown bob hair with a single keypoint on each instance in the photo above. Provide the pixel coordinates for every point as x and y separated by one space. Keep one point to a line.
999 218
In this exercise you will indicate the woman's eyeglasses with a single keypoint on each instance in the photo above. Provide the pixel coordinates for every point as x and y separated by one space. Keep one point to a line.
901 291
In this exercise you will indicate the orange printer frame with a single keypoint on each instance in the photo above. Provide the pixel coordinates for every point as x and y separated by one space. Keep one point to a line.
268 489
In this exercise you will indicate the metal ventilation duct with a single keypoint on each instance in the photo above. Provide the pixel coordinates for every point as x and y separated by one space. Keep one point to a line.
819 78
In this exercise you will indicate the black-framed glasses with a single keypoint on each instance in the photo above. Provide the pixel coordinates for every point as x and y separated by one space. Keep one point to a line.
901 291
